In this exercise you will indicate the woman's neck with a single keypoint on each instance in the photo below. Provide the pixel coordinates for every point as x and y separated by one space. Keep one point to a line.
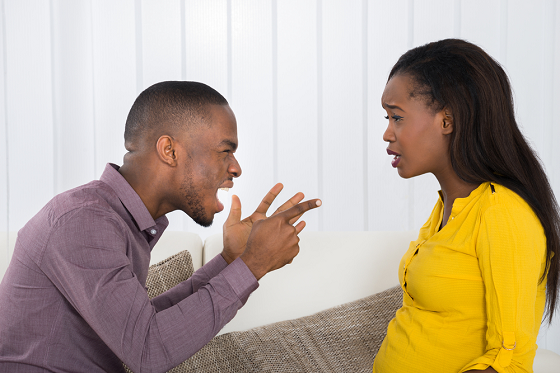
453 187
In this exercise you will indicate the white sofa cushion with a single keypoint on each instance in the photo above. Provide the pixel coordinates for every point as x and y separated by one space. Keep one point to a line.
332 268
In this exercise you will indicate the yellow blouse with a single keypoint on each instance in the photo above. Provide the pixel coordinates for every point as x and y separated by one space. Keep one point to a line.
472 297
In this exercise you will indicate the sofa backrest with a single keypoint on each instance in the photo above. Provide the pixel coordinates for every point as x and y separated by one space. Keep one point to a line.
332 268
172 242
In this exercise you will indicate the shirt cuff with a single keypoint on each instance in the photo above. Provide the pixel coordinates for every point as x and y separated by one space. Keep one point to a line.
215 266
240 278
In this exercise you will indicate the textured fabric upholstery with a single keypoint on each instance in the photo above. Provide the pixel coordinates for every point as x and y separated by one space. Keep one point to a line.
169 273
345 338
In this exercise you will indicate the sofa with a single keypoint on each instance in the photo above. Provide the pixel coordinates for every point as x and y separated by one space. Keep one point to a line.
326 312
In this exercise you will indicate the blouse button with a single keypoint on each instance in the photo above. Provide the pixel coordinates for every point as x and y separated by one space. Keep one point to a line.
153 232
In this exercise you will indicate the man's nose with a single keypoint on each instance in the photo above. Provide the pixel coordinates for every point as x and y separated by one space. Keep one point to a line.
234 168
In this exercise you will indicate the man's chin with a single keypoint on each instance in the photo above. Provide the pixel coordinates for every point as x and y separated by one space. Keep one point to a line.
204 223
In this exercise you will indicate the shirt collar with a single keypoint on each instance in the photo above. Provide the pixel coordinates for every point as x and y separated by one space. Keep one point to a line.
460 203
130 199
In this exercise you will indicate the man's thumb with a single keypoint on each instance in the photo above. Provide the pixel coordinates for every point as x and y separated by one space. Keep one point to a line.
235 212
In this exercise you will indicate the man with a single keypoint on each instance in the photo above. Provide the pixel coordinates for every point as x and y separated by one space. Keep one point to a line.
73 297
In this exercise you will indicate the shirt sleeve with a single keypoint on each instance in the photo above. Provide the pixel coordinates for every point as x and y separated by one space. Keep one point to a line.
511 249
190 286
86 260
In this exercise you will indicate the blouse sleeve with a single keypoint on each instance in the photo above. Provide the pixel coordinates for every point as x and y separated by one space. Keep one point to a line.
511 249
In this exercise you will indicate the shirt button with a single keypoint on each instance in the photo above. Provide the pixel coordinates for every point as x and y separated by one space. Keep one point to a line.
153 232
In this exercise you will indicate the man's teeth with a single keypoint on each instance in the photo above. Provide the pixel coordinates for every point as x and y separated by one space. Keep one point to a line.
224 189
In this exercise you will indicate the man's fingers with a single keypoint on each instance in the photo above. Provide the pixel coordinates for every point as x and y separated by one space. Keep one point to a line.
299 209
299 227
269 198
290 203
235 212
293 220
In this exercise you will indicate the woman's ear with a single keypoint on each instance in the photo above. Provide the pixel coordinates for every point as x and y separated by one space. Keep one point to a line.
165 148
447 123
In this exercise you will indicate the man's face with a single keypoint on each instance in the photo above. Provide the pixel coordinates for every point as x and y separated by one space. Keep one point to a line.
210 165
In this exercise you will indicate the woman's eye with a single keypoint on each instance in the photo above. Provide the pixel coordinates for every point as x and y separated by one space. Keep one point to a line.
396 118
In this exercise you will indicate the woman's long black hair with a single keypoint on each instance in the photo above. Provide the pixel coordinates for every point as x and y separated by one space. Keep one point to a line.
486 143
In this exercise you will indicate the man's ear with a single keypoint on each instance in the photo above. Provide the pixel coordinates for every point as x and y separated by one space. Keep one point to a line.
447 123
166 150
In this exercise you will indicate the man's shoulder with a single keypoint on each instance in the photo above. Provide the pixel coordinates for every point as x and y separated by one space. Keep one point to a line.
95 195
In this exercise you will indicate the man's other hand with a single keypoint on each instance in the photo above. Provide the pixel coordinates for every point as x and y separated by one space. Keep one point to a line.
237 231
274 242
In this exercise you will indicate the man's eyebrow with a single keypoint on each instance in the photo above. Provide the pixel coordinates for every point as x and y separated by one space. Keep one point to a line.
393 107
229 143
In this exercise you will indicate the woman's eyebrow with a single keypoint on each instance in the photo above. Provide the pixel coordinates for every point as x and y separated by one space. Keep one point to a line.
392 107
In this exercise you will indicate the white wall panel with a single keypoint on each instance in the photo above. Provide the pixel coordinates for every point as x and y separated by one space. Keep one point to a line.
206 43
115 77
29 103
524 61
342 117
72 94
4 248
296 93
252 98
482 27
161 41
206 60
389 198
433 20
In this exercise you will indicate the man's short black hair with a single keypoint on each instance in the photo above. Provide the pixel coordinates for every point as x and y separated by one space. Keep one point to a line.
169 105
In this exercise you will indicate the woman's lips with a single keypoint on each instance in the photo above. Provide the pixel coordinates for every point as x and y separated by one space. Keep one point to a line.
395 160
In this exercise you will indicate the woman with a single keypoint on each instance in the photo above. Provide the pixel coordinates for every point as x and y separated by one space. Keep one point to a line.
476 279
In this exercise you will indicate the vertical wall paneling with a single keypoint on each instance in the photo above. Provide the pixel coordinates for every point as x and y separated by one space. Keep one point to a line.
206 60
296 94
524 62
433 20
320 177
29 108
72 94
161 55
343 151
161 41
115 79
251 100
482 28
4 248
388 197
206 48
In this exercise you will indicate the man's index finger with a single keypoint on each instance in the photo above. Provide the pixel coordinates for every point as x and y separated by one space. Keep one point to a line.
300 208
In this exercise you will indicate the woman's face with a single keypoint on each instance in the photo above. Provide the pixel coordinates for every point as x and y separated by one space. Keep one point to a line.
418 136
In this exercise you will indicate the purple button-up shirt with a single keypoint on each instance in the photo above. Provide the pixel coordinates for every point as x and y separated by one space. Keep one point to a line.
74 300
